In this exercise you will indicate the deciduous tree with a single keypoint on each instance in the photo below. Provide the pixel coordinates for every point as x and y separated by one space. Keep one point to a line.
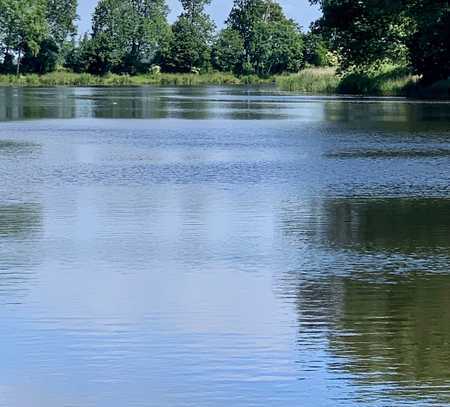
127 34
192 36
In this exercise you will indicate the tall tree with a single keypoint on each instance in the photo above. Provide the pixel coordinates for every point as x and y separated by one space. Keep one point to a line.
228 51
429 45
272 42
61 16
23 26
367 32
192 36
127 34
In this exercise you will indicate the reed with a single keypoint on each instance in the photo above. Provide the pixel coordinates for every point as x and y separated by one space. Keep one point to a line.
310 80
84 79
386 80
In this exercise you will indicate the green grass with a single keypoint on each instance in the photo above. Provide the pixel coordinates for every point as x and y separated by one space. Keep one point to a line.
310 80
73 79
386 81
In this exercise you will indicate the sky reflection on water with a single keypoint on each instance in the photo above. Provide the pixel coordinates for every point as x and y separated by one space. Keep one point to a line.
234 247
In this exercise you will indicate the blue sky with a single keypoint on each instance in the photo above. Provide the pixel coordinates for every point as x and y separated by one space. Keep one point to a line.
299 10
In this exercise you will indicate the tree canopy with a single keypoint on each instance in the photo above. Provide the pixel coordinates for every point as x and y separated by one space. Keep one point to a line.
409 32
127 34
134 36
34 32
272 42
190 46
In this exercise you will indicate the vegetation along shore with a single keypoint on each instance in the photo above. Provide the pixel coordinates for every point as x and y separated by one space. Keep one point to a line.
365 47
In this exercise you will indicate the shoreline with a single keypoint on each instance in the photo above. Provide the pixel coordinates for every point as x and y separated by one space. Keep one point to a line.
392 82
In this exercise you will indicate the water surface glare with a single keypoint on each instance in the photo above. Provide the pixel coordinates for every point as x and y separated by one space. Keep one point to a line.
223 247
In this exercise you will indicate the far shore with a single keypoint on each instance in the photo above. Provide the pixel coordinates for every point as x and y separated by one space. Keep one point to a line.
392 81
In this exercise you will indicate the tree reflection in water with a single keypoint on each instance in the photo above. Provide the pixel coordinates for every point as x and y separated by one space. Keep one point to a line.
388 329
20 226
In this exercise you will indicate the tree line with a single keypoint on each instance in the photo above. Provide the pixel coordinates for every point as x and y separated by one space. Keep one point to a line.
411 33
33 33
134 36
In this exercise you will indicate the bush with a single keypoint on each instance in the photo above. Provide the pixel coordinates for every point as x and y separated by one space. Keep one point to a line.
386 80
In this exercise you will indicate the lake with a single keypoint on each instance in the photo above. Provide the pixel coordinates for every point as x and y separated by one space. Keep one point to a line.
223 247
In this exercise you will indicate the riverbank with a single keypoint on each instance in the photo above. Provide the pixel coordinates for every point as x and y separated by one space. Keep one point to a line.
84 79
388 81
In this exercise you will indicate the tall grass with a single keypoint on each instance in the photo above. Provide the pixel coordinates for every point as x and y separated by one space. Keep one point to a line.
385 81
72 79
310 80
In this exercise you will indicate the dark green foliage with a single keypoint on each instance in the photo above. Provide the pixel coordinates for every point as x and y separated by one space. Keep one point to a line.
61 16
192 35
228 53
406 32
44 61
33 32
276 47
430 49
132 36
385 80
23 26
127 35
82 57
272 43
365 32
7 66
316 52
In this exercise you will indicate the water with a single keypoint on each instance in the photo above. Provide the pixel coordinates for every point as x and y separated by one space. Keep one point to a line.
223 247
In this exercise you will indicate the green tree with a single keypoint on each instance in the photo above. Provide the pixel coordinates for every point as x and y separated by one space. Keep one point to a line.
430 44
77 57
61 16
276 47
246 14
228 51
406 32
128 34
316 51
192 36
272 42
23 26
33 32
366 32
46 60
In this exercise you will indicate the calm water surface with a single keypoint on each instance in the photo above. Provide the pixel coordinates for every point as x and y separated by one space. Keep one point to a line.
222 247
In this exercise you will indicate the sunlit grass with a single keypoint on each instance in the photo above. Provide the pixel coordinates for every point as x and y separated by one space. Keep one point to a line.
310 80
387 80
84 79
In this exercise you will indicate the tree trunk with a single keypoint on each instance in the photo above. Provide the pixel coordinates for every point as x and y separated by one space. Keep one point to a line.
19 58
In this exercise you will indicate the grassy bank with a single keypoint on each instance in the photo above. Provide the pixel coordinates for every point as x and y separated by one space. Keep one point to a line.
388 81
73 79
311 80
